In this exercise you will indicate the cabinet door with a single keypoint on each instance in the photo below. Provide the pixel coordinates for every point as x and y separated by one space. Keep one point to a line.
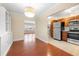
8 22
64 36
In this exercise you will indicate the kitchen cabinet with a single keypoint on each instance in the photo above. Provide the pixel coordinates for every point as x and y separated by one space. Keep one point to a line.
64 36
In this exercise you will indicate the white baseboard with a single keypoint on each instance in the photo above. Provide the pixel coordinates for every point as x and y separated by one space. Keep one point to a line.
7 49
17 40
42 40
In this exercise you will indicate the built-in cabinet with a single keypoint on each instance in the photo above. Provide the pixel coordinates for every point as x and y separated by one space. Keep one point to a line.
64 36
5 31
5 21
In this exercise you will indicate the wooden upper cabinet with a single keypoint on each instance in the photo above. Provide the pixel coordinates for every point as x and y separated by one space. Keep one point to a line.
68 19
67 22
77 17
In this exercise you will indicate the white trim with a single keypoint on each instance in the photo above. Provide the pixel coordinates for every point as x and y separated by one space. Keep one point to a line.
17 40
7 50
42 40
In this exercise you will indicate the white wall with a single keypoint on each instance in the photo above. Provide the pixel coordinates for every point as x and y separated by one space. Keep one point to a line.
41 28
0 46
17 26
42 21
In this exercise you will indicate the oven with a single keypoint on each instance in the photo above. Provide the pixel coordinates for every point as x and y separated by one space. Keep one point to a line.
73 37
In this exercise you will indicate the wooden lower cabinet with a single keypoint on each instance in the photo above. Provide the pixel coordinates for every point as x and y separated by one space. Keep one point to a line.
64 36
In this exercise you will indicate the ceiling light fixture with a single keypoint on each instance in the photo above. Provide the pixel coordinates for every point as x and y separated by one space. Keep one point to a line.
29 12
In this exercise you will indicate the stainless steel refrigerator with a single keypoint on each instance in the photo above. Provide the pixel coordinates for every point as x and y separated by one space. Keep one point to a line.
57 30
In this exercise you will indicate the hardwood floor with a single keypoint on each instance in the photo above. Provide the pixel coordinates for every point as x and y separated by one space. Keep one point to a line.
34 47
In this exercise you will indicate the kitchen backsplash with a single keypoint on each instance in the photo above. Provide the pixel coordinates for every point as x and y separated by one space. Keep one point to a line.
66 28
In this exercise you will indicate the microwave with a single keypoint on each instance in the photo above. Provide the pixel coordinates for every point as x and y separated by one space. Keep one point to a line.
74 22
74 25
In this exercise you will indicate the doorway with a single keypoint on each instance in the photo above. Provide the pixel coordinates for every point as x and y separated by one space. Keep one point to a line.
29 31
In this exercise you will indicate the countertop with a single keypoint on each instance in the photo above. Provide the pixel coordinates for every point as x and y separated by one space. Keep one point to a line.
64 31
74 32
71 32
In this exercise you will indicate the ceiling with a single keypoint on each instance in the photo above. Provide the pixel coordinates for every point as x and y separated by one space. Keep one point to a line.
19 7
68 12
40 8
